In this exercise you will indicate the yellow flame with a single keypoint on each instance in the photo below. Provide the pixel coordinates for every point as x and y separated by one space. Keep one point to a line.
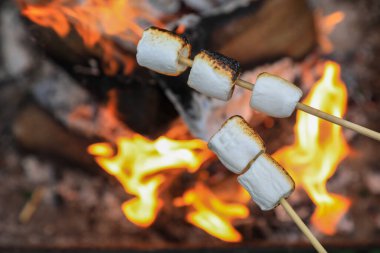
319 148
211 214
138 166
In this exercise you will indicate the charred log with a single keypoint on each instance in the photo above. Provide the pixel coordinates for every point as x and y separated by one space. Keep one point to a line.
130 93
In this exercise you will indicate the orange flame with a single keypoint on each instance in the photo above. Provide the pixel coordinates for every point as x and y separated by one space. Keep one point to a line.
325 26
211 214
318 149
98 22
138 166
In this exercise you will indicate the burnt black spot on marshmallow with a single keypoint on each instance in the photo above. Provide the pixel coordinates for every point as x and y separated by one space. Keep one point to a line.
182 38
228 64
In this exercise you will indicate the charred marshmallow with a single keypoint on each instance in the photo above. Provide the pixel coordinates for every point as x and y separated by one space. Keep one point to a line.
274 96
159 50
236 144
267 182
214 75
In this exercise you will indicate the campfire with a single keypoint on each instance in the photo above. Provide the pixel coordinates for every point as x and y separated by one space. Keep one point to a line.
318 151
120 149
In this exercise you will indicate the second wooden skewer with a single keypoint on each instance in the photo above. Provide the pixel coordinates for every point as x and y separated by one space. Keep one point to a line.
301 225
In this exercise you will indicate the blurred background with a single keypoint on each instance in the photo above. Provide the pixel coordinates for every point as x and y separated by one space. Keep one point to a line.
99 153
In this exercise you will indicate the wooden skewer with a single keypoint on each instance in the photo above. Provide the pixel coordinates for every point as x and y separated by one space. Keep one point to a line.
308 109
301 225
244 84
339 121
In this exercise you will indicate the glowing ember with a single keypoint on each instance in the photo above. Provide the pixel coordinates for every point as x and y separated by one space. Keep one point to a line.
180 29
318 149
213 215
96 21
138 165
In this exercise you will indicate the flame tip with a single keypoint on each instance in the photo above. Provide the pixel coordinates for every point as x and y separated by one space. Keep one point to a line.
318 149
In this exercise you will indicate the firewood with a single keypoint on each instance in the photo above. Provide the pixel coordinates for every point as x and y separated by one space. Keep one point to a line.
279 28
35 130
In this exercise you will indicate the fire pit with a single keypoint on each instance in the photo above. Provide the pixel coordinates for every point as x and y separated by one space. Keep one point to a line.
98 152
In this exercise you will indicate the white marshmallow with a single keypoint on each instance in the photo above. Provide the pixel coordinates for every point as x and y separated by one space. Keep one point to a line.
214 75
159 50
267 182
236 144
274 96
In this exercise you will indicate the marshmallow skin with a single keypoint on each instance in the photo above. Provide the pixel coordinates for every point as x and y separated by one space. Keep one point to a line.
267 182
214 75
236 144
159 50
274 96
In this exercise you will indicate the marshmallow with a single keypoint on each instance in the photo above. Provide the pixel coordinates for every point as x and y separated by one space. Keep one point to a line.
236 144
214 75
267 182
274 96
159 50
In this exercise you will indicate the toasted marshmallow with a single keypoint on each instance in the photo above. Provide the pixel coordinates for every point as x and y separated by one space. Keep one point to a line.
236 144
159 50
274 96
267 182
214 75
